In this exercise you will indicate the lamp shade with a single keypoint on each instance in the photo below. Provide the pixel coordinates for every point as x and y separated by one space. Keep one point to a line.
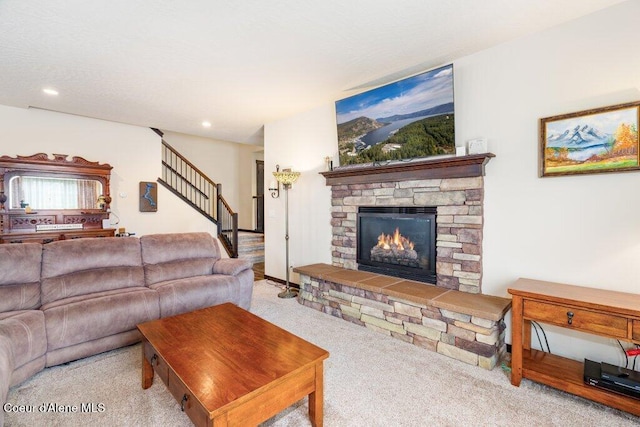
286 177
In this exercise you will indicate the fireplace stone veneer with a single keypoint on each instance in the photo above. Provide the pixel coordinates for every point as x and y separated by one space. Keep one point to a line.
458 223
456 193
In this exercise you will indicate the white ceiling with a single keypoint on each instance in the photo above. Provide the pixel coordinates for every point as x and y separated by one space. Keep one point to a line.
240 64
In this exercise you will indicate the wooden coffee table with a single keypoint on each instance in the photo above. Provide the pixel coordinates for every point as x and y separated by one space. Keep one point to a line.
227 366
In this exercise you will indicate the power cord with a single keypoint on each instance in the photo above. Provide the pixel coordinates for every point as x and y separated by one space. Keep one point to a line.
117 218
537 325
624 351
634 352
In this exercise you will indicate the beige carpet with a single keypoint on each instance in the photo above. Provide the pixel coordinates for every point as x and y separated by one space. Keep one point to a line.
370 380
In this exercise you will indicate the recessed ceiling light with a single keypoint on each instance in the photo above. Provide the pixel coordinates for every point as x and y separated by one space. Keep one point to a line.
206 124
50 91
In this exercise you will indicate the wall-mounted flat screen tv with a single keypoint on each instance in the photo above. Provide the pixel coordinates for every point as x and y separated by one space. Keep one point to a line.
409 119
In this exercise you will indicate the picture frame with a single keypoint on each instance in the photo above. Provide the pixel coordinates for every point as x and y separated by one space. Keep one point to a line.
599 140
148 196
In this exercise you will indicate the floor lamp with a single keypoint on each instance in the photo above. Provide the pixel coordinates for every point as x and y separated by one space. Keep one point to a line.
286 177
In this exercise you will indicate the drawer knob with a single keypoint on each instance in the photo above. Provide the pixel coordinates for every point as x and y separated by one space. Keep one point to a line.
154 358
570 317
184 400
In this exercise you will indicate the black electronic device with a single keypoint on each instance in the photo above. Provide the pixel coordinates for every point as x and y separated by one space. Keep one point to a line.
621 376
593 377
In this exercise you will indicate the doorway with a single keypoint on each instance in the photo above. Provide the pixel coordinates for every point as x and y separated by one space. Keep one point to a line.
259 196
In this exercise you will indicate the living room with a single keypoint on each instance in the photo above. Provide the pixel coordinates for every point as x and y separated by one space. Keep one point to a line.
568 229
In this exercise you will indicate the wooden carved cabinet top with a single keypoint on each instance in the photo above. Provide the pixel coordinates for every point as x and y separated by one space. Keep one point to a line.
46 199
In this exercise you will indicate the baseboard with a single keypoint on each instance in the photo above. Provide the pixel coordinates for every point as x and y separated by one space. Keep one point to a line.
282 282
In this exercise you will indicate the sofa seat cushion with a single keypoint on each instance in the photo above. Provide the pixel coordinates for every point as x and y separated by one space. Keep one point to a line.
89 317
20 278
27 333
87 266
183 295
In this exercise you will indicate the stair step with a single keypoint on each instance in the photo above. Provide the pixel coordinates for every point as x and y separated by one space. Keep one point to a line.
250 237
251 246
253 255
253 259
250 243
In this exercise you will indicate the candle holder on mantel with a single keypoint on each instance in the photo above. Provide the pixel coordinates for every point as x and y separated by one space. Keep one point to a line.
286 177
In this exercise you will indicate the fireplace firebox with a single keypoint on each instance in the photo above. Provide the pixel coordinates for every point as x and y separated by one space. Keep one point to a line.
397 241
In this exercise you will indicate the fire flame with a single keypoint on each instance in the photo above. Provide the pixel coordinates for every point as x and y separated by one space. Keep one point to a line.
397 240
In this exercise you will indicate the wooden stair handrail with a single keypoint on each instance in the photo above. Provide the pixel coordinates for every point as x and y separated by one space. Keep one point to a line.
184 159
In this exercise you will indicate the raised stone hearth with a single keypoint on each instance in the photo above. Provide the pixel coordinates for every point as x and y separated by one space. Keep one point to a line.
467 327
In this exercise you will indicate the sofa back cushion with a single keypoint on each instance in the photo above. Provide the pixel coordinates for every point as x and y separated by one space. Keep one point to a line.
83 266
20 276
177 256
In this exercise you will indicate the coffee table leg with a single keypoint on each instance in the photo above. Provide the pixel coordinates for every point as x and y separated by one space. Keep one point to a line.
316 399
147 371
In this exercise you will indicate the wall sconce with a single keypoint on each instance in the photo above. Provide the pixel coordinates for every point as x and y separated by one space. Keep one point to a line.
274 185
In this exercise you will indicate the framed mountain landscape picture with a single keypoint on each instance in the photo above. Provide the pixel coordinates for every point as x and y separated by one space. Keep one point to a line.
599 140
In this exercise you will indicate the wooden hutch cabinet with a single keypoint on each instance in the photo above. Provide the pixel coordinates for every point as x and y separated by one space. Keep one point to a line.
21 223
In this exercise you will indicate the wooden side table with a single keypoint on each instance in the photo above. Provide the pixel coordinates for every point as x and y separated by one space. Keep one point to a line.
609 314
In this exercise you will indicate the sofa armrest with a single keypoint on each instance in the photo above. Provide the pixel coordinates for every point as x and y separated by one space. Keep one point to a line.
231 266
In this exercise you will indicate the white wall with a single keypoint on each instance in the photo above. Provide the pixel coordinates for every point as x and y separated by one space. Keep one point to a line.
133 152
228 163
300 143
583 230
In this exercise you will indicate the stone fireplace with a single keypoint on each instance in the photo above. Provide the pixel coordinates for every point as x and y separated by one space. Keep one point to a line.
442 199
454 187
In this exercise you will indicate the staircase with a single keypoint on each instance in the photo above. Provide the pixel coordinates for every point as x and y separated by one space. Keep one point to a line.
251 246
187 182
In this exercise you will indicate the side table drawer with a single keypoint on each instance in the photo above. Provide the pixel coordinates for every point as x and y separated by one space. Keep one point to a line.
188 403
159 365
575 318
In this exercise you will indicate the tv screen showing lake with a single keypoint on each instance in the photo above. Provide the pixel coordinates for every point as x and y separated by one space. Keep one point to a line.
411 118
381 134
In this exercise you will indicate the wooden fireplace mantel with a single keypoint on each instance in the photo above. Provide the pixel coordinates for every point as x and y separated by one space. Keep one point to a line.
444 167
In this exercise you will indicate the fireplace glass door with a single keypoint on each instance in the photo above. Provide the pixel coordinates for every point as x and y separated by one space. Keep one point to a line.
398 241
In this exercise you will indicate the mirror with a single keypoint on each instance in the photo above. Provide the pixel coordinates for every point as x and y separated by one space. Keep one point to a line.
38 182
43 192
